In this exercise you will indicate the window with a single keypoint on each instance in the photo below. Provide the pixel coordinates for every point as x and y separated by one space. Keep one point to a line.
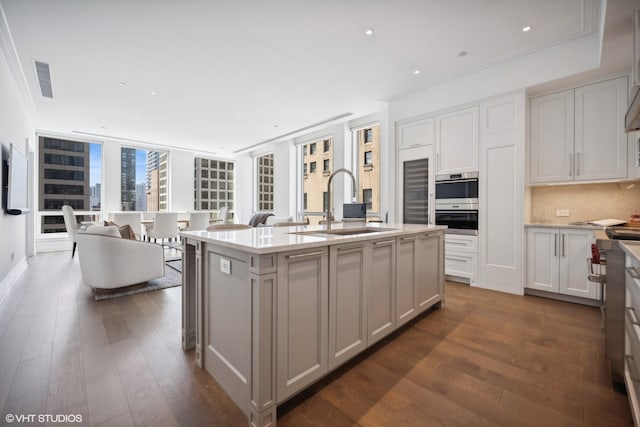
310 199
367 197
366 146
70 173
368 158
368 135
217 189
143 179
265 182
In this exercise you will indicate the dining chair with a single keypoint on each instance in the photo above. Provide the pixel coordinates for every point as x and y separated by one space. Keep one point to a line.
134 219
71 224
198 220
165 226
222 214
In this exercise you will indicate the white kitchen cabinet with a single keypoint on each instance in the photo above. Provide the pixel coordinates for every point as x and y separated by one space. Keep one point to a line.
461 257
349 274
457 141
414 133
302 323
381 290
551 155
556 261
578 134
418 268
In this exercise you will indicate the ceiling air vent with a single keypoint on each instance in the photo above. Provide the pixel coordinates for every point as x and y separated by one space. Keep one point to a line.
44 78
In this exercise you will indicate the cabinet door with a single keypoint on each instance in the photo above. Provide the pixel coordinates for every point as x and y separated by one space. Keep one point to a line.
381 302
428 261
600 139
415 133
302 324
552 132
457 141
542 259
574 249
406 303
347 302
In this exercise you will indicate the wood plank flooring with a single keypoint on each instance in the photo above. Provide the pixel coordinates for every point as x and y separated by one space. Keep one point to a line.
486 359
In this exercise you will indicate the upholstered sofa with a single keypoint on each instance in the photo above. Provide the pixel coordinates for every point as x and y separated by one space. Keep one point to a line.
109 261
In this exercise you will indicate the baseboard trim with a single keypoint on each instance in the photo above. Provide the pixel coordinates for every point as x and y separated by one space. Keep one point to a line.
11 279
562 297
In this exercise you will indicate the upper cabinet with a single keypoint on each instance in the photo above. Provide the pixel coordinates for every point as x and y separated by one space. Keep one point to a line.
457 141
578 134
415 133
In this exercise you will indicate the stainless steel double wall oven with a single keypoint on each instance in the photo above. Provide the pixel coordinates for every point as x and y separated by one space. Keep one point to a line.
457 202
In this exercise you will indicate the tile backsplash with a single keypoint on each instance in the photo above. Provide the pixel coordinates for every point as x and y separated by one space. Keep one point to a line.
584 202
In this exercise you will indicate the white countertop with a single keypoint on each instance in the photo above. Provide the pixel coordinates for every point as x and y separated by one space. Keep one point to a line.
262 240
575 226
631 247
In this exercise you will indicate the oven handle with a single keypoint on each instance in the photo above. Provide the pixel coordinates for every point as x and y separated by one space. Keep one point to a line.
447 181
457 211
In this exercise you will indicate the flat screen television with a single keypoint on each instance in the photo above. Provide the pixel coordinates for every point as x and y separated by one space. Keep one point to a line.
17 182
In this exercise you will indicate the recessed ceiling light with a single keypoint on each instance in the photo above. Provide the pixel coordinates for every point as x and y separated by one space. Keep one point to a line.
121 84
463 54
416 71
525 29
275 126
368 31
153 93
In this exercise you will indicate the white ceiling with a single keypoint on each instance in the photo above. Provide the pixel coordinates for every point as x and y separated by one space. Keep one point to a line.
230 74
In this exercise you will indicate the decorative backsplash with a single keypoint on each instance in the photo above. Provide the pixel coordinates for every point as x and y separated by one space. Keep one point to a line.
584 202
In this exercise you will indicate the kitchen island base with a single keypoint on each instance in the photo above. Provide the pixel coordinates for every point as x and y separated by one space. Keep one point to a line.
268 325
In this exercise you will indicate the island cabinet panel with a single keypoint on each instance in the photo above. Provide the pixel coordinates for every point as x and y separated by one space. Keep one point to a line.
349 273
429 256
419 275
302 323
227 324
406 294
381 296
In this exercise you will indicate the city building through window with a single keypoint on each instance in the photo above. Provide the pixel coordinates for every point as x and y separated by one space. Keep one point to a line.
264 173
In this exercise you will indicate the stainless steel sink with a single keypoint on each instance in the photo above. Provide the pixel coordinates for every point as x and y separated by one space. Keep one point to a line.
346 231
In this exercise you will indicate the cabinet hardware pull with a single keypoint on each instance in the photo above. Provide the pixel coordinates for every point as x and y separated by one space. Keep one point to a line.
633 272
447 242
633 375
408 239
577 164
350 248
570 164
632 315
555 245
384 242
456 259
304 255
563 254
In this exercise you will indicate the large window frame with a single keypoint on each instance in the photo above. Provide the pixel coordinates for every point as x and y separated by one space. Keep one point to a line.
264 185
219 180
153 193
312 182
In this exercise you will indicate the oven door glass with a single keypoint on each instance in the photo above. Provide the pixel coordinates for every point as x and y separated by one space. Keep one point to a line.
462 189
461 220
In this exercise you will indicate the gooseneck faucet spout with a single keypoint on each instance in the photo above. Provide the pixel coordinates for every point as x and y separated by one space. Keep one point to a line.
353 181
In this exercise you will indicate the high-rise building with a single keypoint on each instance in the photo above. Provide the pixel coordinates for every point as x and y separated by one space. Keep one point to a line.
141 196
163 187
64 179
153 163
317 167
152 190
214 185
95 196
128 178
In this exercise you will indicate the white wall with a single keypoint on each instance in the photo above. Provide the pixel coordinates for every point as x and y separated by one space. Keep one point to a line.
16 126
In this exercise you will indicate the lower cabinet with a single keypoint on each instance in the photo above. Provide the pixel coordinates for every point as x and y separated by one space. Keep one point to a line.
557 261
418 278
461 257
302 301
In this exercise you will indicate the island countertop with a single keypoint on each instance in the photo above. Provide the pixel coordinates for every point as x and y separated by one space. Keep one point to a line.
264 240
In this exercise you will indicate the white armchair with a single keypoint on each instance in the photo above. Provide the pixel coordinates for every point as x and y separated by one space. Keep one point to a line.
108 262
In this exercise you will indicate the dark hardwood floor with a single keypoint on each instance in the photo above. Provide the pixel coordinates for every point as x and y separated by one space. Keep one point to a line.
486 359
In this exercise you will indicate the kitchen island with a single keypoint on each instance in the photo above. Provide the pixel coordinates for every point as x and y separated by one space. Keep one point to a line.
271 310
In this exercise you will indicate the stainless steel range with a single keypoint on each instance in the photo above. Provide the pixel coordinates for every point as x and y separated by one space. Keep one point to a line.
614 306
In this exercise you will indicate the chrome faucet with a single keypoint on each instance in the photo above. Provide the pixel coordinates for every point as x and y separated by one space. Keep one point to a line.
353 180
